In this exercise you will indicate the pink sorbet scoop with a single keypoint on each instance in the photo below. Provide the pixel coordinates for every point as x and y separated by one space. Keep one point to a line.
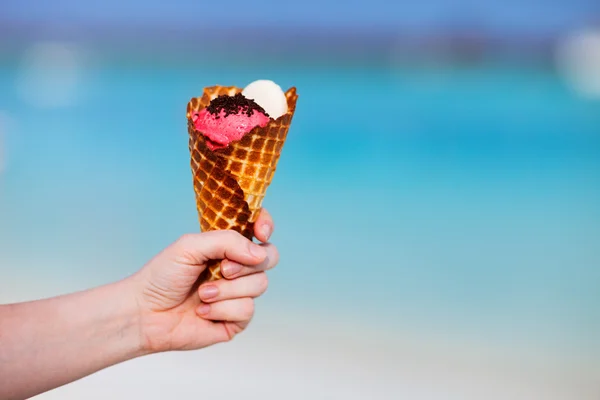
227 119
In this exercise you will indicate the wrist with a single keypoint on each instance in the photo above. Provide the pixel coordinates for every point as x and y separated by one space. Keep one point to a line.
129 318
141 316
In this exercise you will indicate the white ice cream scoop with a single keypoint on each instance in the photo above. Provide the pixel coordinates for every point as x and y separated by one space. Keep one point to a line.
268 95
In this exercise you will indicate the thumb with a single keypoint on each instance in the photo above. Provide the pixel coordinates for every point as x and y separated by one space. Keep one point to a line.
198 248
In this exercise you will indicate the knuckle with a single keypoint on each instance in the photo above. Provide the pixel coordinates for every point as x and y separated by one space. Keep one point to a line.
248 308
221 233
263 282
230 236
186 239
274 256
215 234
230 233
183 247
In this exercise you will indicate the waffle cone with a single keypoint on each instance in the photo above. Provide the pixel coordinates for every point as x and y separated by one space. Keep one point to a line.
230 184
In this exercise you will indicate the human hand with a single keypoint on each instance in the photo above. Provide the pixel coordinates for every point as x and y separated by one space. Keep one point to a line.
176 316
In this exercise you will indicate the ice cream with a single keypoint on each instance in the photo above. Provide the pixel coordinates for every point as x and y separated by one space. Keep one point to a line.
229 118
269 96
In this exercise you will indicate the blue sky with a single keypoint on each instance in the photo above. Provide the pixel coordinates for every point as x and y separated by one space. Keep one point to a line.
533 16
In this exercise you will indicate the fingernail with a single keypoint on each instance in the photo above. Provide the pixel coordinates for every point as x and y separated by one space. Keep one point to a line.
257 251
203 309
266 231
230 268
208 292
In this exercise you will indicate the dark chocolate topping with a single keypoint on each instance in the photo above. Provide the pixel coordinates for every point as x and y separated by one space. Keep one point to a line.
233 105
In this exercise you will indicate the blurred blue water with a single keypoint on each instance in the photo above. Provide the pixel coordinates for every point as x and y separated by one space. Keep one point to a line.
441 196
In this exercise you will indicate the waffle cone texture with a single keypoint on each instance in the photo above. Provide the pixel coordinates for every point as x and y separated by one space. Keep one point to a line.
230 184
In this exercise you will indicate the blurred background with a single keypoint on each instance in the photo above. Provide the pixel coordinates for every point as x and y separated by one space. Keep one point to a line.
437 202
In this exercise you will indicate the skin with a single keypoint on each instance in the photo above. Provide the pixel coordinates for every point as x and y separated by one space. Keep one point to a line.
48 343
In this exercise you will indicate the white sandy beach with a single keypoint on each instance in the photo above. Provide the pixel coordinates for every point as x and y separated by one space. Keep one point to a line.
300 357
295 356
271 362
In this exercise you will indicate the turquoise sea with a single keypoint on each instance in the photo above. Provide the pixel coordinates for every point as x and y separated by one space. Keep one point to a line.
441 198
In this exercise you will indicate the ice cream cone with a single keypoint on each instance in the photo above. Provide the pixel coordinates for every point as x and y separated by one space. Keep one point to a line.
230 183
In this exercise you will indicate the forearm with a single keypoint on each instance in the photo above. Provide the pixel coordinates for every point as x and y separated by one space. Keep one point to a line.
48 343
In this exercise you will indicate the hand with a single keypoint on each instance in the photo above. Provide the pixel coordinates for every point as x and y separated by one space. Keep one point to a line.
175 316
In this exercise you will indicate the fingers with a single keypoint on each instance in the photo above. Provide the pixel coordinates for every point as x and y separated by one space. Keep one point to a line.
247 286
236 310
231 269
215 245
264 226
226 244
